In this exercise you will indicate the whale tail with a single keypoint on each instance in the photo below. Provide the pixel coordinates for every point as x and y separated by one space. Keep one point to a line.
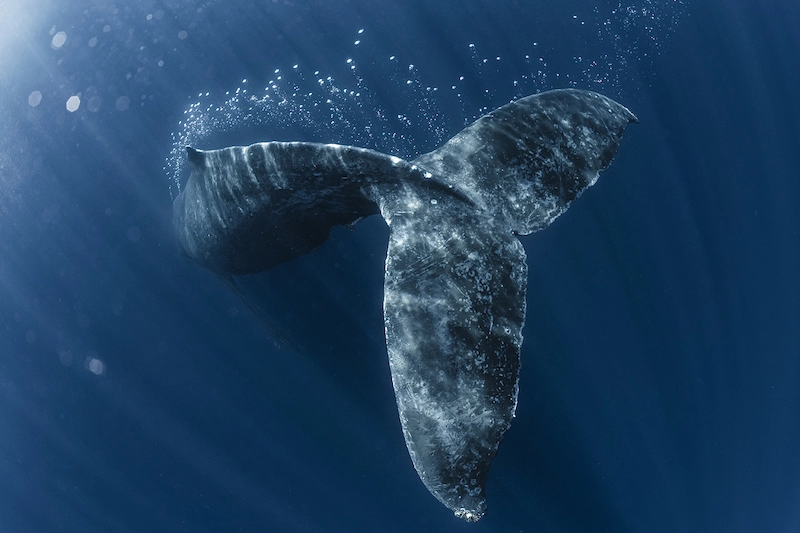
455 281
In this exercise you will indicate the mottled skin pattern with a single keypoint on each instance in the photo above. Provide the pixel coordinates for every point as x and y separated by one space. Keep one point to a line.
454 292
247 209
454 305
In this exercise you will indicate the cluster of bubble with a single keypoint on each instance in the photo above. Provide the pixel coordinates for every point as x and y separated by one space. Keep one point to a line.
350 113
322 110
630 33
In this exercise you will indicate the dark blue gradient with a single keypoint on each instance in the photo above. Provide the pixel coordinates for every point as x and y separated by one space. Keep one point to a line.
660 386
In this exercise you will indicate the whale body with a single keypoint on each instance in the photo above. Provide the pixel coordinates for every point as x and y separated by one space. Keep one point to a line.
456 275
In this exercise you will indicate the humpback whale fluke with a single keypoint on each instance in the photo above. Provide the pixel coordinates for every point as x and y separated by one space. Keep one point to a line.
454 290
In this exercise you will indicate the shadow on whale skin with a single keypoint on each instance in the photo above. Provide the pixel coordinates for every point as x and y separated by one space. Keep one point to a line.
455 280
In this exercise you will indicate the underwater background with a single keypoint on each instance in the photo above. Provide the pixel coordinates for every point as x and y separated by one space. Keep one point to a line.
660 383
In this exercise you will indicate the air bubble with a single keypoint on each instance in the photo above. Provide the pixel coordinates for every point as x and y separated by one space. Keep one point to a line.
73 103
58 40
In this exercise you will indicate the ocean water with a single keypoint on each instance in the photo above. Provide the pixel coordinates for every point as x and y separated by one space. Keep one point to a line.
660 383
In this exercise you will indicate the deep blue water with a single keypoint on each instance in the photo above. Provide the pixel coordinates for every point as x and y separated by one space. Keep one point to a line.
660 388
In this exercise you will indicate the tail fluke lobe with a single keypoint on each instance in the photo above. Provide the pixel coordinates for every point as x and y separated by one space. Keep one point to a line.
526 161
454 306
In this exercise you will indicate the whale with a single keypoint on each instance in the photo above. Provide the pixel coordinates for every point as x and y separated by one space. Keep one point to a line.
455 272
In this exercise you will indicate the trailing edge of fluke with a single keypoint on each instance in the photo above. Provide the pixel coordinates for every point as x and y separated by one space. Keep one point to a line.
454 290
